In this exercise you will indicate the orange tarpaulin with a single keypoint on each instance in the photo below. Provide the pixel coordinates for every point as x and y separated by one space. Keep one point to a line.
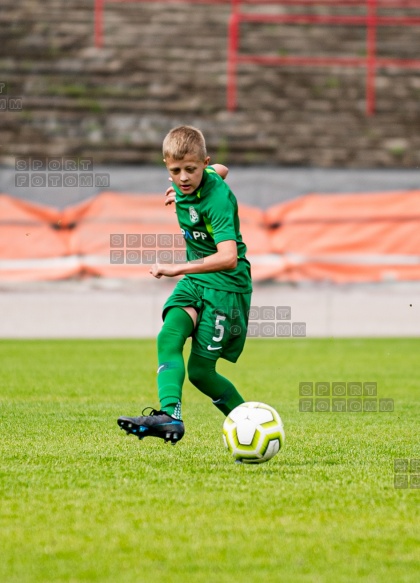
353 237
82 239
117 233
32 246
340 238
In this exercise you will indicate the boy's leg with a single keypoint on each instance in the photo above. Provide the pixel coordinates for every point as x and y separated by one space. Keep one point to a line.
178 326
203 375
167 422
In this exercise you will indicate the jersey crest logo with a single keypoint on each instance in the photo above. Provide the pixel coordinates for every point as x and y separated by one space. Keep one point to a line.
193 214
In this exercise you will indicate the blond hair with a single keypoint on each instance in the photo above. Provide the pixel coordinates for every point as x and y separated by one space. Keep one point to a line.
184 140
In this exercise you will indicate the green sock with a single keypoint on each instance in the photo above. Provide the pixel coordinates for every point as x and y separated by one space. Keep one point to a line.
202 373
171 370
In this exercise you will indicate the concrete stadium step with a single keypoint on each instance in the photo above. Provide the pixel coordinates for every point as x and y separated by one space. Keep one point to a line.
167 64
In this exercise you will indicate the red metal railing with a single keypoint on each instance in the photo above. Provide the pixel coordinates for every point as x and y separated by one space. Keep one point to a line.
371 20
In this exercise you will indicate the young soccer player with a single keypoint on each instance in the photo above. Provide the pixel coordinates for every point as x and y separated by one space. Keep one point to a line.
211 303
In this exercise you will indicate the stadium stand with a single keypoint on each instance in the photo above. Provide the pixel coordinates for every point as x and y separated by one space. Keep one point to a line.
115 103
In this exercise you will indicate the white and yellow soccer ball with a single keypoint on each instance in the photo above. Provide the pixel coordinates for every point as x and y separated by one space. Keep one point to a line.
253 433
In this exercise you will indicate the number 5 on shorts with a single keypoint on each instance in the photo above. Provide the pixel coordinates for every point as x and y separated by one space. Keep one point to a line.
219 327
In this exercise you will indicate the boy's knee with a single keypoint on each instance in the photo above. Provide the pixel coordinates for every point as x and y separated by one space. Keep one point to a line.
169 335
176 328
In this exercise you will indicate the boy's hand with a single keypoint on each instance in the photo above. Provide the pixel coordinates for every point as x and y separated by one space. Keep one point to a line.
159 269
170 195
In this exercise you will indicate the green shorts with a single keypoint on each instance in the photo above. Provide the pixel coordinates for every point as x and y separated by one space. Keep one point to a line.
222 320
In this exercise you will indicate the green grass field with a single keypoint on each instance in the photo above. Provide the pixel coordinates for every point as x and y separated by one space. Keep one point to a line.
81 501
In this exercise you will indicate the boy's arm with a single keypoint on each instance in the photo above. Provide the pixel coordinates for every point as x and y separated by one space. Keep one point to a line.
226 257
170 193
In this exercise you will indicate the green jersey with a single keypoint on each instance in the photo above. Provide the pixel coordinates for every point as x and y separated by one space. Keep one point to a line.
207 217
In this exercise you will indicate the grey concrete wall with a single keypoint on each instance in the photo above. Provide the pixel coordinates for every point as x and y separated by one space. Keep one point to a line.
123 309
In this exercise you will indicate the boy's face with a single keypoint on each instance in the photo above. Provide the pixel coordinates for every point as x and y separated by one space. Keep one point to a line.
188 172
